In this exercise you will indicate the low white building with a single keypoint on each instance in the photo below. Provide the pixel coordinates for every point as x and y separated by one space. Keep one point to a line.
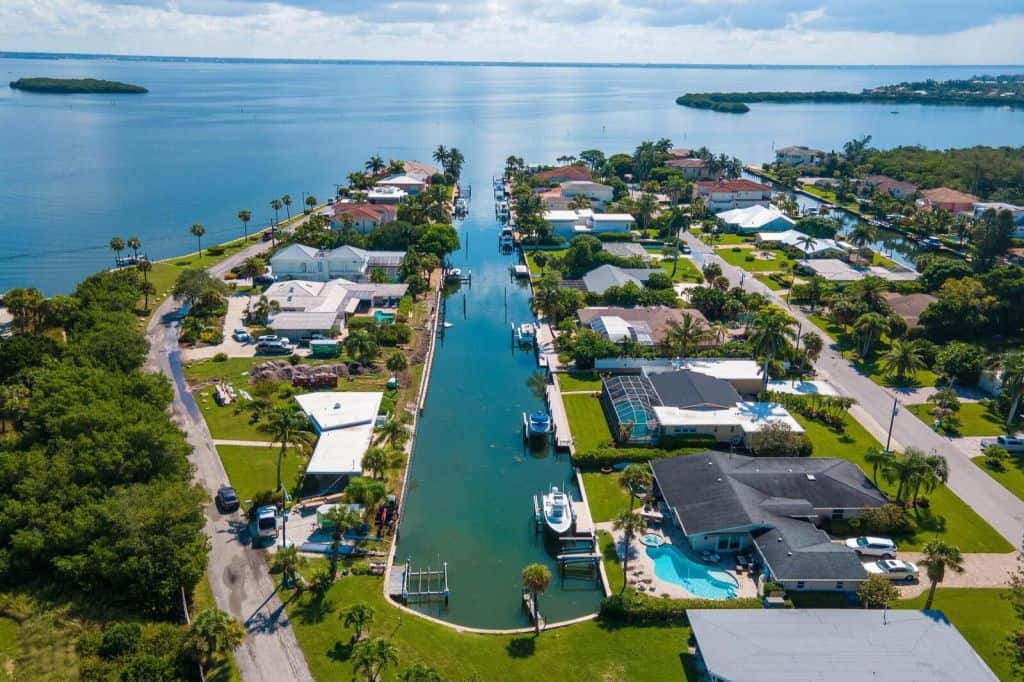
568 224
410 184
796 240
298 261
756 218
594 191
306 307
744 375
383 194
797 155
739 423
344 422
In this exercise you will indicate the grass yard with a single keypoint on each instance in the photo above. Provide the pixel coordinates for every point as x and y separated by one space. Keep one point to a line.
769 282
729 238
739 259
587 422
975 419
983 616
536 269
230 422
607 497
947 518
1011 477
579 381
588 651
686 271
612 567
252 469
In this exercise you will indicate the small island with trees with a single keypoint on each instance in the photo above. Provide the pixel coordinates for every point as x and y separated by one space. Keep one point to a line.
1004 90
76 86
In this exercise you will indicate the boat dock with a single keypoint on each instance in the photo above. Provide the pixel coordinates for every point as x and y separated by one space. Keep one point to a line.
563 434
408 585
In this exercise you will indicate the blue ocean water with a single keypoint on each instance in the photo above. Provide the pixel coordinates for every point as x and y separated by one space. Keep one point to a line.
212 137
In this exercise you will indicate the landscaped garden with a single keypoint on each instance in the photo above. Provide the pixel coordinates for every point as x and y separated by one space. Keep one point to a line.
586 421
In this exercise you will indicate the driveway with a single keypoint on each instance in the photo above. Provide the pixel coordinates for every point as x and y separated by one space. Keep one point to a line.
232 321
1001 508
241 583
980 570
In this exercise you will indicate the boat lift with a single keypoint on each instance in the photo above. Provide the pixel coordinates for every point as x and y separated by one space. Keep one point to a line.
423 585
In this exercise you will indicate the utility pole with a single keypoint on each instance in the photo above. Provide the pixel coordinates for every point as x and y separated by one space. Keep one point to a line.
892 421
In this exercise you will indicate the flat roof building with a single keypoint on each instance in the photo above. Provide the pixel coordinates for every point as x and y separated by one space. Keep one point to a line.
344 422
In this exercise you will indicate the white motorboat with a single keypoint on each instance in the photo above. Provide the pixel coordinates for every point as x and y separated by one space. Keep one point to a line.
526 333
507 237
558 514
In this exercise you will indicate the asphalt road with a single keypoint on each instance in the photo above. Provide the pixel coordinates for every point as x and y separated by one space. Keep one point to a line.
1001 508
241 583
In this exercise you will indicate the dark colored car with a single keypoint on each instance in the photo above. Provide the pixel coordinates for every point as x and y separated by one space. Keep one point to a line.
227 499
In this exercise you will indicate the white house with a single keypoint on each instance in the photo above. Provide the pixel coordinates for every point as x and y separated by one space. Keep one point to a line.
298 261
410 184
594 191
383 194
796 240
568 224
724 195
756 218
306 307
362 217
344 422
797 155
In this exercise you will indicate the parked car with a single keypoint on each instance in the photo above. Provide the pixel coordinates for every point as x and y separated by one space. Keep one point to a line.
241 336
274 347
266 523
895 570
869 546
264 279
1013 444
304 341
684 248
226 499
273 338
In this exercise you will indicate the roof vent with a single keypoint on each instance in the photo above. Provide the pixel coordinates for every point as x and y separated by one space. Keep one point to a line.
337 406
780 538
811 477
789 554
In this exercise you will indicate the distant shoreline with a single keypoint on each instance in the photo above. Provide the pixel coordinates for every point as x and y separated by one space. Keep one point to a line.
76 86
53 56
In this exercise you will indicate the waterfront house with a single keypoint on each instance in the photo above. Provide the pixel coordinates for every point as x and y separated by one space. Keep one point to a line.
1016 211
298 261
798 155
793 240
692 168
418 169
344 423
551 199
898 189
652 321
723 195
305 307
947 199
571 223
382 194
410 184
627 250
770 645
564 174
756 218
594 191
771 506
362 217
744 375
598 280
909 306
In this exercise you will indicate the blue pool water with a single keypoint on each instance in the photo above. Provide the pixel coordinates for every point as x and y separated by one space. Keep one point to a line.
675 566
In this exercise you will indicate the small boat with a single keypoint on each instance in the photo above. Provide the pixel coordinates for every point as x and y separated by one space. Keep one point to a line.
558 515
525 333
447 325
537 424
930 243
502 208
507 237
454 275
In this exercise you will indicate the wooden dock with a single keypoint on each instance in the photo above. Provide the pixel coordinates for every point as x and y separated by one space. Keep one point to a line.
563 434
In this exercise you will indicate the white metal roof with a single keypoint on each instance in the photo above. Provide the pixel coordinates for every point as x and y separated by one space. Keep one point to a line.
720 368
749 416
754 217
331 410
794 239
300 321
340 451
612 217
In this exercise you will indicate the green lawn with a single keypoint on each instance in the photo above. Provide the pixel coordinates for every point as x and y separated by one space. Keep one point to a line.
769 282
975 419
588 651
536 269
252 469
947 518
579 381
739 259
686 271
587 422
607 497
230 422
1011 477
729 238
983 616
612 567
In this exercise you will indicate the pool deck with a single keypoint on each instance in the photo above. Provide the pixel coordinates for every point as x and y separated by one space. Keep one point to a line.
641 567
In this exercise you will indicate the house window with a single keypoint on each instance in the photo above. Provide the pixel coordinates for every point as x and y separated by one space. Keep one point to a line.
837 514
839 584
800 584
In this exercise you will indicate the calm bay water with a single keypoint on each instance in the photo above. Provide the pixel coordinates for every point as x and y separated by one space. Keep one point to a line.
211 138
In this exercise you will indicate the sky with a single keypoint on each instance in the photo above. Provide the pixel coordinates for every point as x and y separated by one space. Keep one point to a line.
644 31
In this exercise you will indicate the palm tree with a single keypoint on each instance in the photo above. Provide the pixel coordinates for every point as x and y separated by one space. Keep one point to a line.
938 557
455 161
769 338
212 635
341 520
276 205
245 215
682 338
117 245
134 243
930 471
630 525
869 328
440 155
394 431
902 359
420 672
198 231
862 235
646 205
252 266
635 477
375 164
536 579
287 427
288 561
378 460
1013 381
580 201
807 242
287 201
877 458
311 202
872 290
359 616
362 346
396 363
145 266
372 657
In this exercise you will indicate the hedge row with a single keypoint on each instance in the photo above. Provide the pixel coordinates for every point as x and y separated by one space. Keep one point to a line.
636 608
606 457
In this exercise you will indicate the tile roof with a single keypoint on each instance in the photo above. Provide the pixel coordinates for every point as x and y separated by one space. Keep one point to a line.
741 185
947 195
565 173
909 306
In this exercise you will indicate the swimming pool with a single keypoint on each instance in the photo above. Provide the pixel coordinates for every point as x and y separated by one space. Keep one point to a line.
675 566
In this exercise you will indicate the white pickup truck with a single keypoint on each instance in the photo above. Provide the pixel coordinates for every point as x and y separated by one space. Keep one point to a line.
1013 444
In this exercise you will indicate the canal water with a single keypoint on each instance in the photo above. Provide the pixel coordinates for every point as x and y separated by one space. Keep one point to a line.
472 481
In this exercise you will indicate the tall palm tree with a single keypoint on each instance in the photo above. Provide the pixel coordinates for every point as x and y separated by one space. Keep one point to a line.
630 525
440 155
903 358
939 557
245 215
635 477
872 290
373 657
394 430
276 205
862 234
646 205
287 427
311 202
869 328
769 338
396 363
359 616
117 246
808 242
341 519
145 266
930 471
536 579
287 201
1013 381
213 635
198 231
455 161
375 164
134 243
683 337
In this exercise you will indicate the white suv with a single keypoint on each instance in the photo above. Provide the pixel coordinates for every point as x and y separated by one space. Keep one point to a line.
869 546
895 570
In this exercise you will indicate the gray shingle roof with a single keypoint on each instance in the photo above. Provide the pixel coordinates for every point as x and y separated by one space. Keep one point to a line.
599 279
694 391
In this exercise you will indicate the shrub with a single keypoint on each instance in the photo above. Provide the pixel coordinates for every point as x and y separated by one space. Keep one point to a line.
394 334
736 249
405 305
961 361
220 357
362 322
995 457
615 236
636 608
779 440
749 258
294 359
690 441
889 518
120 639
215 250
877 591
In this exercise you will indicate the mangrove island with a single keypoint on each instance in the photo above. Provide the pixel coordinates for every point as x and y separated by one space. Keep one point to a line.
77 86
1004 90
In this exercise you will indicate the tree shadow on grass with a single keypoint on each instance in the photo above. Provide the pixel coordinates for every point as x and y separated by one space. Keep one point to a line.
521 647
340 652
316 607
927 522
